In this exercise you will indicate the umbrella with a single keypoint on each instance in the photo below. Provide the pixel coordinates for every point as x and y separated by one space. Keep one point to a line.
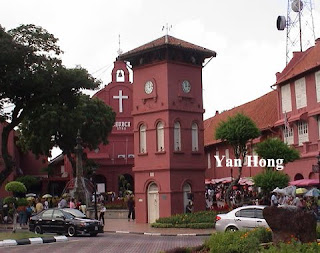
46 196
301 190
30 198
31 195
314 192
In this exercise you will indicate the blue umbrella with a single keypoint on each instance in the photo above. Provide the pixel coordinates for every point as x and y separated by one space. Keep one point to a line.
314 192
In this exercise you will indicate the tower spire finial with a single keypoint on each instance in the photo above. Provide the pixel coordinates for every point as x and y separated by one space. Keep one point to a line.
167 28
119 50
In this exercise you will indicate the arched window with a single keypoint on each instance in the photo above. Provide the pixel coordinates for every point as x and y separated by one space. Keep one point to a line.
143 139
160 137
194 133
177 136
120 75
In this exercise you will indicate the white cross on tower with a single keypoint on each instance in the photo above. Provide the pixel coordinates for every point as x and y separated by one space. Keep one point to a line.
120 97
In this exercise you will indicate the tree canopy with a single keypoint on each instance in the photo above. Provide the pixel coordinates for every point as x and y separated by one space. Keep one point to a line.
237 131
274 148
269 180
33 80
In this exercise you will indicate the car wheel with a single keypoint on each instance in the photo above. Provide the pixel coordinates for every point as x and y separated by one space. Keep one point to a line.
232 228
38 230
93 234
72 231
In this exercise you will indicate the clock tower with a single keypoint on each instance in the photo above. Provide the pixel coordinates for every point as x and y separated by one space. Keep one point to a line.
167 112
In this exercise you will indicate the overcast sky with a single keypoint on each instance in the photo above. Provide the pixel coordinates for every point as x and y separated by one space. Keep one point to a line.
250 50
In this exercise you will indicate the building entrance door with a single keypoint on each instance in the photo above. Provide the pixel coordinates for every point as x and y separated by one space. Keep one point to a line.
153 203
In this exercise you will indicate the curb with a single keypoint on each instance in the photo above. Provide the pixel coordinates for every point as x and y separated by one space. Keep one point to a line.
36 240
155 234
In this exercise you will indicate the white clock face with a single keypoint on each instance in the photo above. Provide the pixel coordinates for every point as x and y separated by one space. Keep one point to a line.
148 87
186 86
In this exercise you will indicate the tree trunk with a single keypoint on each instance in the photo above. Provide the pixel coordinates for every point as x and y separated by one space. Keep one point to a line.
229 190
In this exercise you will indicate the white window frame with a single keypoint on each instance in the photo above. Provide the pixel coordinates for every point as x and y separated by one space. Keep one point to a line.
217 155
301 94
143 138
209 160
286 102
288 135
195 137
160 136
302 132
177 136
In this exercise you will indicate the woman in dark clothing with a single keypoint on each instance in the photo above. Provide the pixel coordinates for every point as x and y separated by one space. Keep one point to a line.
131 206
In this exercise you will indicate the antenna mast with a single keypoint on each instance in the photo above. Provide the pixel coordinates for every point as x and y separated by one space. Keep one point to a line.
300 26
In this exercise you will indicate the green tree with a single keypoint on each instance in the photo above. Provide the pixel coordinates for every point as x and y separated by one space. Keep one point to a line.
269 180
30 182
237 131
57 125
17 189
274 148
31 77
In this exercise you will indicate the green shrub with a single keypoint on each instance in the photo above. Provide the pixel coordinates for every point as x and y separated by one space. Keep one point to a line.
293 247
22 202
9 200
264 235
15 187
233 242
183 225
197 217
28 181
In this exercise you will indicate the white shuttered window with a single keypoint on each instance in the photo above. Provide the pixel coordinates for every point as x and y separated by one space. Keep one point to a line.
286 98
195 142
300 90
288 135
302 132
160 137
177 136
143 139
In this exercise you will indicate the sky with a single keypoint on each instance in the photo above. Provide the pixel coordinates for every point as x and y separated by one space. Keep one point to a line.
250 49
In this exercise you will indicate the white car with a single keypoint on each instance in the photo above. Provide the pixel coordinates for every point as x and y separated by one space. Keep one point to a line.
245 217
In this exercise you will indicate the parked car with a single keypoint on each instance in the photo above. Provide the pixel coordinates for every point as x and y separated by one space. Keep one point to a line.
67 221
245 217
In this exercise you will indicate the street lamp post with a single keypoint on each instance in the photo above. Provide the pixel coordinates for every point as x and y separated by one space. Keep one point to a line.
95 192
318 157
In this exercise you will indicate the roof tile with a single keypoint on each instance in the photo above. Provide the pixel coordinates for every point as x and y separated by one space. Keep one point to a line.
263 111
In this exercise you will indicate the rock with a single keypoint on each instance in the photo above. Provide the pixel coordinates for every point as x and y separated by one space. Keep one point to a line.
287 223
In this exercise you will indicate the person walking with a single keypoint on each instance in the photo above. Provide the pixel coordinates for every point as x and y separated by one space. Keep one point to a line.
103 209
131 207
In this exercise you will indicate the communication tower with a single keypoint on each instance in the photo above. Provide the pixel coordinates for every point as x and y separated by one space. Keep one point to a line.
300 26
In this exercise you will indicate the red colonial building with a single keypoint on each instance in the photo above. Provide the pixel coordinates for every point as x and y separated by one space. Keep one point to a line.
298 88
263 111
25 163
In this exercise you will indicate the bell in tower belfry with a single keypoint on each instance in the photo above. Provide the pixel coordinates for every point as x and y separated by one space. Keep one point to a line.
120 72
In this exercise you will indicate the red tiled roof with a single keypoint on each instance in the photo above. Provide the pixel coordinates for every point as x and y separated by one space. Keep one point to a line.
263 111
300 63
162 41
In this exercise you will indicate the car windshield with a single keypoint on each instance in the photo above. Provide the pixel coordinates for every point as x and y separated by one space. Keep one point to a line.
74 213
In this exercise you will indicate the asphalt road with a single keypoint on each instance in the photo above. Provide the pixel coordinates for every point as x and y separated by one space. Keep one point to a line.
111 243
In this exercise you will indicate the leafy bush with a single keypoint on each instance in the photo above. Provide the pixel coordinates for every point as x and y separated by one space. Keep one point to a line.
202 219
9 200
28 181
264 235
22 202
16 187
184 225
293 247
269 180
233 242
117 204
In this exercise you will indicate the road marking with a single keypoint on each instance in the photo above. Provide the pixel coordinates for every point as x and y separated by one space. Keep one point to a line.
122 232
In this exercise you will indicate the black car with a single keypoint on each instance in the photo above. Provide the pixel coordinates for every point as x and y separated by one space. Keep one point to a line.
64 221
